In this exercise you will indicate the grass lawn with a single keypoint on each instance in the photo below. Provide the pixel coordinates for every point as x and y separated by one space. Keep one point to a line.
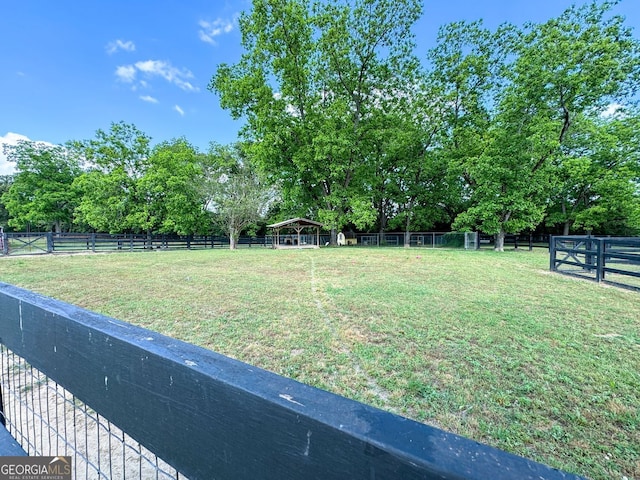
487 345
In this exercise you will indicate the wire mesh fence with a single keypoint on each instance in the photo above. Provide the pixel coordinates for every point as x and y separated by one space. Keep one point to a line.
47 420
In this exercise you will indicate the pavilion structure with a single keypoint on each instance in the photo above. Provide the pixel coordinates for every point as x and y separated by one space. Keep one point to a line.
296 233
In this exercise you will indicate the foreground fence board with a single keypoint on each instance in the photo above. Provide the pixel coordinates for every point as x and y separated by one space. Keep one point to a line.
9 447
212 417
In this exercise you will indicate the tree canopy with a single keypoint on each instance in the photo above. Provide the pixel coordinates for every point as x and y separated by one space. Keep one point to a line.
341 114
235 193
312 85
40 195
574 65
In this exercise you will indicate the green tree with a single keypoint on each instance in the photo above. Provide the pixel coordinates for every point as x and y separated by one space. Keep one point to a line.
236 195
110 198
171 185
413 183
40 194
5 184
598 173
466 76
310 84
566 67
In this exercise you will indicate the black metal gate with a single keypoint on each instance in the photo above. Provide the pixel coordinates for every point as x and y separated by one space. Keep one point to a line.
613 260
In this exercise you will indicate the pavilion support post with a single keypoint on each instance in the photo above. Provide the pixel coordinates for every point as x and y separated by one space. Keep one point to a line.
298 230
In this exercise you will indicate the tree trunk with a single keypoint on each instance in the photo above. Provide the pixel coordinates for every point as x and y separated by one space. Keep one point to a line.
499 246
567 227
233 240
382 217
407 233
407 239
333 241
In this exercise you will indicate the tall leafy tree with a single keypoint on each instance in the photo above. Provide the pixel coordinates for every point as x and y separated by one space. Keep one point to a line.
596 186
413 179
40 195
309 84
110 198
5 184
236 195
467 68
568 66
170 184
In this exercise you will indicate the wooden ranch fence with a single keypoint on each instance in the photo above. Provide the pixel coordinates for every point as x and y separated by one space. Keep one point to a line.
47 242
23 243
212 417
612 260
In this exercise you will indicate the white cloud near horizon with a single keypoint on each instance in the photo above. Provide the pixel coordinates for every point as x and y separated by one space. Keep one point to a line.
113 47
179 110
6 167
148 99
180 78
11 138
210 30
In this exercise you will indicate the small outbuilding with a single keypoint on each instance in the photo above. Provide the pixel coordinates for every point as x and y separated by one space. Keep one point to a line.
296 233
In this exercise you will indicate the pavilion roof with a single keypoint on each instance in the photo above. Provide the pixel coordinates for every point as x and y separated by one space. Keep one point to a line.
299 222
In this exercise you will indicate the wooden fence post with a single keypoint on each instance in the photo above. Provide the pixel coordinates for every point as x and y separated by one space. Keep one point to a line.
50 245
600 259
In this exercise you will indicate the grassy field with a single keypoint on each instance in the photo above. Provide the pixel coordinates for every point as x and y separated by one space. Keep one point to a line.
487 345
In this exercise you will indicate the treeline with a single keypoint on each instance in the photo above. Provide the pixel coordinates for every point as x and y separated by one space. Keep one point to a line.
116 183
502 131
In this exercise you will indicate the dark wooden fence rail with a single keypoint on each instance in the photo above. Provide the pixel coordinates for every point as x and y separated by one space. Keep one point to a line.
46 242
212 417
613 260
22 243
522 241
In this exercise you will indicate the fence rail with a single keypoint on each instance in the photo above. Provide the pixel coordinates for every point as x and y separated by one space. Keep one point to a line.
209 416
611 260
522 241
47 242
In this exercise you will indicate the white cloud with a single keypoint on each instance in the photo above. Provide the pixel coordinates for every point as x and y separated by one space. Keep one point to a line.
148 98
179 110
180 78
210 30
126 73
6 167
113 47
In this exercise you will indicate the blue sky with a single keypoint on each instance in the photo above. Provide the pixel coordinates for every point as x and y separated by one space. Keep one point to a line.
68 68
